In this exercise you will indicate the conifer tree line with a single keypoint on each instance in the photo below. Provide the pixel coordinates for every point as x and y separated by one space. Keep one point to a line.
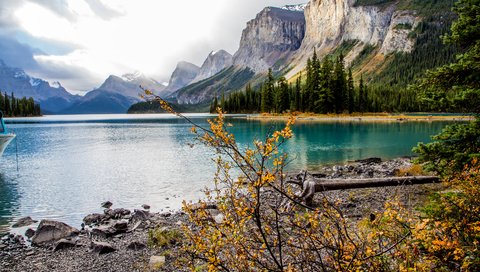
328 88
17 107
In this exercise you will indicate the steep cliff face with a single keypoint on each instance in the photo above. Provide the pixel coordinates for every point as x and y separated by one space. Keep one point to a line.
215 62
274 34
403 22
331 22
183 74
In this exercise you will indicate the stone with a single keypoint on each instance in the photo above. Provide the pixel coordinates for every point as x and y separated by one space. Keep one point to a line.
136 245
219 218
139 215
156 262
63 244
107 204
120 226
94 218
102 248
120 213
146 206
49 231
25 221
105 231
29 233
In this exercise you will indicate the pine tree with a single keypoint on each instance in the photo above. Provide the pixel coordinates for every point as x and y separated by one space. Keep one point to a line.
350 91
325 100
361 96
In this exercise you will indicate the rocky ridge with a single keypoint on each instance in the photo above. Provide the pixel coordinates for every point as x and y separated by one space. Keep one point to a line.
273 35
184 73
331 22
52 96
216 61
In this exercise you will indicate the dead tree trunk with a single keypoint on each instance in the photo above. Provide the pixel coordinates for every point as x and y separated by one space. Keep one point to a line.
341 184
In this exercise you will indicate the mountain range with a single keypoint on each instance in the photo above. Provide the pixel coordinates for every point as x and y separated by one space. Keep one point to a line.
371 34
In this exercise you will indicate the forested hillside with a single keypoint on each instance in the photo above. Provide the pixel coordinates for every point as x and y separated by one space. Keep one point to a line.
18 107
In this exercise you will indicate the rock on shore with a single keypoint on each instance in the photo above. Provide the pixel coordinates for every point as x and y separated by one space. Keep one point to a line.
117 240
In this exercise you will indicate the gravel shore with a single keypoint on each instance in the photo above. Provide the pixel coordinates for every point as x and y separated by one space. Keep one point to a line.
118 240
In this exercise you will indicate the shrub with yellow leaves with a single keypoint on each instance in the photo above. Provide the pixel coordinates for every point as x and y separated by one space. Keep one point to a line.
264 226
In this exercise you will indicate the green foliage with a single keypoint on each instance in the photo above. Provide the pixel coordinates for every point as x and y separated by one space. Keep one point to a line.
401 26
163 237
455 86
149 107
14 107
452 149
427 7
401 69
449 235
372 2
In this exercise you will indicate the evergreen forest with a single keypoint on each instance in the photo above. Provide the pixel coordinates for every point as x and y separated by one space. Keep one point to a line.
18 107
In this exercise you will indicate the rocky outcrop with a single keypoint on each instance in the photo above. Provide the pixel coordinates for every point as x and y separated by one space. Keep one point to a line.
273 35
403 22
331 22
51 231
183 74
215 62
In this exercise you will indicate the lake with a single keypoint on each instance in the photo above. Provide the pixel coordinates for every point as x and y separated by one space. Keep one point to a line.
68 165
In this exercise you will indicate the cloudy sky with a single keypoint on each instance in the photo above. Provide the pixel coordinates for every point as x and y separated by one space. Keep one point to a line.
81 42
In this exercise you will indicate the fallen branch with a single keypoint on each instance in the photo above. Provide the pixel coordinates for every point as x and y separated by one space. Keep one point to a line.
342 184
311 185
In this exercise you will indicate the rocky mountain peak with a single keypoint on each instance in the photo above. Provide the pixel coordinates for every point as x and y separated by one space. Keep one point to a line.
52 97
215 62
274 34
183 74
298 7
132 76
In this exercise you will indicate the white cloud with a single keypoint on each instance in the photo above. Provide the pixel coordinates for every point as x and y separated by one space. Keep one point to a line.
146 35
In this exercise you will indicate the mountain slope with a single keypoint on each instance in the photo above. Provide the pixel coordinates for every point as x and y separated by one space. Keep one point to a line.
233 78
52 97
184 73
115 95
215 62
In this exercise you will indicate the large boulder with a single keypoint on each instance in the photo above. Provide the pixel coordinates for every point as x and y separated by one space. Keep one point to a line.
49 231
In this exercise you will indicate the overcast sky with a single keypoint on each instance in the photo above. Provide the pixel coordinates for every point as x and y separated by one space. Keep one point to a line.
81 42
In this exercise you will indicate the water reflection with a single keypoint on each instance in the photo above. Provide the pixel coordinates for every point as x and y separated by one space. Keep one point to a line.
8 202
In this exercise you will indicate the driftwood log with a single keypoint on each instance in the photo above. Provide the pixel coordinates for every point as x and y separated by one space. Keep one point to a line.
311 185
341 184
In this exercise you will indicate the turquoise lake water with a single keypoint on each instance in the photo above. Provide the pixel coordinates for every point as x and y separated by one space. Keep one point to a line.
68 165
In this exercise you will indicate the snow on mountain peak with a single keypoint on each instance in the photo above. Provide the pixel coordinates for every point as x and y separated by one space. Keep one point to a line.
35 81
132 76
20 74
298 7
55 84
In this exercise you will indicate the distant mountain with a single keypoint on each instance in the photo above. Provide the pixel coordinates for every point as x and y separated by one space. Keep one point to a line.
215 62
52 97
115 95
184 73
101 101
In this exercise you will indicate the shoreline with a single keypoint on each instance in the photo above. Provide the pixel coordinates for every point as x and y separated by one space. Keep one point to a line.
128 232
379 117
